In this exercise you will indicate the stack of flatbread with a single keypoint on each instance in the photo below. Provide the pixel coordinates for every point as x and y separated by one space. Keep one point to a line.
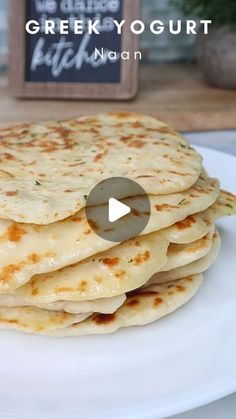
57 275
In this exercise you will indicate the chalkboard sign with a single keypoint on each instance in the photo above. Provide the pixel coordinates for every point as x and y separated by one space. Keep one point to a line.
73 49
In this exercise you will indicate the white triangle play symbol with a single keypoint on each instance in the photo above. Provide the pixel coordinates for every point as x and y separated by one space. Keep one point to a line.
117 210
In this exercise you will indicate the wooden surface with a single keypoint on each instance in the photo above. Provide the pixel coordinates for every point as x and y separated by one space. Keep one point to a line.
174 93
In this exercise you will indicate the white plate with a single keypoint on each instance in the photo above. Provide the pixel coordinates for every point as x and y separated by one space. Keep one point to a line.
180 362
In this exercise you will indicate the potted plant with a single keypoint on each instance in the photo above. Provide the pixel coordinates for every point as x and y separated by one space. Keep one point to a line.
216 52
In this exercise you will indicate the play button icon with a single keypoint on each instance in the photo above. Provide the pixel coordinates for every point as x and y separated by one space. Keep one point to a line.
117 209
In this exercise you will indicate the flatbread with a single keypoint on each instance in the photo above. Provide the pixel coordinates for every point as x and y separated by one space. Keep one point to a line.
191 229
183 254
225 205
27 250
177 255
47 169
180 261
118 271
115 272
34 320
102 305
141 307
199 266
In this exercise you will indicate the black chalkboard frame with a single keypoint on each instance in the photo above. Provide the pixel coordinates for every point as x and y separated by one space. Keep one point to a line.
19 87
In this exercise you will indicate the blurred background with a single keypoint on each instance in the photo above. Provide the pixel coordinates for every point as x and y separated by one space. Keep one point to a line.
3 35
187 80
164 48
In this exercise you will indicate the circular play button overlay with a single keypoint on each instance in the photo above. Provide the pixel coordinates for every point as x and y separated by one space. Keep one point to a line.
118 209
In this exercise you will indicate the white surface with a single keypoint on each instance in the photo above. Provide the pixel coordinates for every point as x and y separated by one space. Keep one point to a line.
176 364
220 140
223 141
117 210
222 409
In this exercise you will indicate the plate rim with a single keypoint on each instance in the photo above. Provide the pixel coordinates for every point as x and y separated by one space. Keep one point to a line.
146 410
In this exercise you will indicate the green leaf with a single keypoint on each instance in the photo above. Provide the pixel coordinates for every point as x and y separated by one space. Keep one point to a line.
221 12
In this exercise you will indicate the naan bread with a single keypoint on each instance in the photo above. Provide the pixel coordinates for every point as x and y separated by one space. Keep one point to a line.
141 307
199 266
34 320
225 205
108 274
177 256
102 305
191 229
182 254
27 250
127 267
48 169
